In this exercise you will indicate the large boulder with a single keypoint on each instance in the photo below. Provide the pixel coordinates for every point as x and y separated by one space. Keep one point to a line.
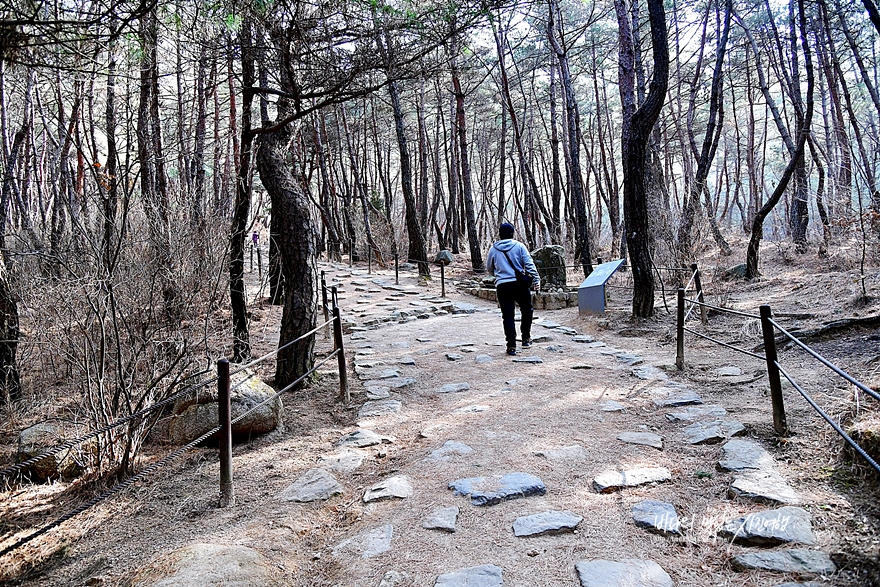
196 414
35 440
208 565
550 261
444 258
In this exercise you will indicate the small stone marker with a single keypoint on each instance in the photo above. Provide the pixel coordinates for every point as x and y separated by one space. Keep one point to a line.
454 356
442 519
550 522
693 413
379 408
583 338
796 560
484 491
481 576
624 573
712 432
614 480
612 406
741 455
771 527
449 449
344 462
313 485
656 516
397 486
367 544
765 486
483 359
454 387
644 438
361 438
574 452
528 360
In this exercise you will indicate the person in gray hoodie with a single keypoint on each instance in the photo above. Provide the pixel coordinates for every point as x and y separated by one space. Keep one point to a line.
505 256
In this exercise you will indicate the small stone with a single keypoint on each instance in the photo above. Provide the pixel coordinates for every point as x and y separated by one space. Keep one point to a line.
741 455
494 491
712 432
797 560
549 324
400 345
400 382
361 438
550 522
656 516
556 348
581 366
644 438
771 527
728 371
648 372
612 406
566 330
541 338
483 359
574 452
528 360
397 486
442 519
406 361
475 409
693 413
629 358
313 485
450 448
765 486
452 345
595 345
614 480
378 392
583 338
367 544
378 408
454 387
344 462
624 573
679 398
454 356
481 576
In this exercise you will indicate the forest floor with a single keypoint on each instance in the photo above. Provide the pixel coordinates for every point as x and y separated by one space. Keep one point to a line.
514 417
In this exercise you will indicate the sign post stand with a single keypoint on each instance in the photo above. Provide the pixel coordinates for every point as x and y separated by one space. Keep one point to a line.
591 293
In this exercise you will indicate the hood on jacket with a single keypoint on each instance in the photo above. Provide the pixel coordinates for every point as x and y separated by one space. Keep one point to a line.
505 245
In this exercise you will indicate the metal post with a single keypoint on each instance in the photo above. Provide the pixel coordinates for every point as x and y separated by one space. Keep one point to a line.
350 252
679 331
224 413
252 257
779 420
324 304
442 280
598 260
369 260
396 269
344 394
699 285
259 263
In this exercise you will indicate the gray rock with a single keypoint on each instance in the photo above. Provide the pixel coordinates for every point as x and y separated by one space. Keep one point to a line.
712 432
367 544
361 438
566 330
550 262
528 360
384 374
583 338
313 485
581 366
764 486
454 387
574 452
442 519
629 358
693 413
454 356
614 480
35 440
729 371
396 383
678 398
541 338
656 516
453 345
208 565
624 573
612 406
548 324
644 438
771 527
483 359
406 361
556 348
344 462
378 408
595 345
550 522
741 455
444 257
481 576
796 560
397 486
473 409
648 372
493 491
378 392
400 345
449 449
393 579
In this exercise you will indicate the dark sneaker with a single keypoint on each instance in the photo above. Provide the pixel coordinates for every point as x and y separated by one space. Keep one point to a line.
527 342
511 351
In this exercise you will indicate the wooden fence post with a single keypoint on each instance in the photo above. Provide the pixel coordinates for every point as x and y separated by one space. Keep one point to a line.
679 331
779 420
351 252
324 304
369 260
224 416
396 269
344 394
442 280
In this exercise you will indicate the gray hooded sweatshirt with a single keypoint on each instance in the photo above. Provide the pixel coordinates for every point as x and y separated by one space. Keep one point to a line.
498 265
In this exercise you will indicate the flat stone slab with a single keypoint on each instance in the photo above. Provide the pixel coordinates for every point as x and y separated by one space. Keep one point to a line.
454 387
483 359
313 485
624 573
397 486
765 486
574 452
678 398
796 560
406 361
378 392
550 522
648 373
344 462
400 345
644 438
694 413
449 449
712 432
629 358
583 338
728 371
442 519
493 491
367 544
361 438
398 383
481 576
208 565
581 366
528 360
771 527
377 408
566 330
549 324
614 480
454 357
656 516
453 345
612 406
595 345
741 455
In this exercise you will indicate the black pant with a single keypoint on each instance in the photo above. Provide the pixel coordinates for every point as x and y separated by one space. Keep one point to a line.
508 294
